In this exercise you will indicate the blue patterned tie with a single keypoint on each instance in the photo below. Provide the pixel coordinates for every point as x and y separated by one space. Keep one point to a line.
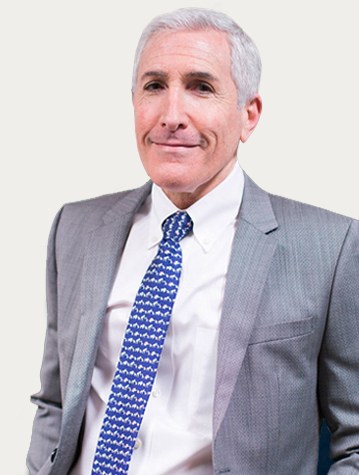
141 351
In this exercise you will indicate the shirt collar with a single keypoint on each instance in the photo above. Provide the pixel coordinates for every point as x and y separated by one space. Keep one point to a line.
210 215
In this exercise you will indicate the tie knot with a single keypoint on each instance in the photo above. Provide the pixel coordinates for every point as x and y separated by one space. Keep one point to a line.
176 226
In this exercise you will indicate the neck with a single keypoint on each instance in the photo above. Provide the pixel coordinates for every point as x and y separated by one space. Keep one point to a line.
183 200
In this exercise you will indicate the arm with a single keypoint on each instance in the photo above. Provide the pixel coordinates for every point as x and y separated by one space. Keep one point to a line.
338 378
47 422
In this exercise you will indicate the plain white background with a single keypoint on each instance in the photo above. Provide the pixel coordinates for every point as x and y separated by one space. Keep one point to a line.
66 125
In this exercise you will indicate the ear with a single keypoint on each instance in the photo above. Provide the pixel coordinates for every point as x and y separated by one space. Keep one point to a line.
252 111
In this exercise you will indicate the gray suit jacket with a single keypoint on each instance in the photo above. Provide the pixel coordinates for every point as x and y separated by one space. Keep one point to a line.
288 350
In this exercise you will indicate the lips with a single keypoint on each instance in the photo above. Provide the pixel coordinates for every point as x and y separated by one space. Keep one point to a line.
177 141
174 144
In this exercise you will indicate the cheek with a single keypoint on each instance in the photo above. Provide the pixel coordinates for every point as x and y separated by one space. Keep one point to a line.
145 117
219 121
141 128
141 119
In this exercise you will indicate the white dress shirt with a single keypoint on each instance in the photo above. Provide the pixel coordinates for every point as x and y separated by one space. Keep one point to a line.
175 437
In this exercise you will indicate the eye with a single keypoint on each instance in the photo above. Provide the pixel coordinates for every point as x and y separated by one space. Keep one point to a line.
203 87
153 86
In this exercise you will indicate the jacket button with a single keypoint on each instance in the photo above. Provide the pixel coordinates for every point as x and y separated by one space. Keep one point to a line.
53 455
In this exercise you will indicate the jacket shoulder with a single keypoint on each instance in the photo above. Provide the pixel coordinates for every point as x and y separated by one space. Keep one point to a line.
90 213
269 212
306 219
98 204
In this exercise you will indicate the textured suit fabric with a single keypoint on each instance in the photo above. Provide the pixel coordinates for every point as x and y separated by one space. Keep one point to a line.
288 351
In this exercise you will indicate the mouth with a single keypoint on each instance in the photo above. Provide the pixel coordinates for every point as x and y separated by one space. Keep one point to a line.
174 145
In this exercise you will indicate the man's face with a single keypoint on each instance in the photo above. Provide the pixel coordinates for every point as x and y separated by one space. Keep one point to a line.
188 125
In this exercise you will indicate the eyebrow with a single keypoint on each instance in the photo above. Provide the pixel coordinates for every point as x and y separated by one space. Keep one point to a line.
201 75
152 74
192 74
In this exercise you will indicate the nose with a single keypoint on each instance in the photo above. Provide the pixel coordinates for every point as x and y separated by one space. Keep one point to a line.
174 114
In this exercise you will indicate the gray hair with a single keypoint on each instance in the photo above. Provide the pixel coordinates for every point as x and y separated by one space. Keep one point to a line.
246 62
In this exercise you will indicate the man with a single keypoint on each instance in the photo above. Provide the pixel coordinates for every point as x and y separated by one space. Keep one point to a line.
262 341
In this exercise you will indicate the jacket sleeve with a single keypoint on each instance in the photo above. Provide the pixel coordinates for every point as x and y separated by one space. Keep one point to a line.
47 422
338 378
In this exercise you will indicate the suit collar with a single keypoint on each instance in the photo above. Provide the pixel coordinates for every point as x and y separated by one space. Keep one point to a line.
256 207
129 204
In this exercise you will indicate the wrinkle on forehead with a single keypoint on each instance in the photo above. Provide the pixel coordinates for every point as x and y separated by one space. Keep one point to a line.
207 48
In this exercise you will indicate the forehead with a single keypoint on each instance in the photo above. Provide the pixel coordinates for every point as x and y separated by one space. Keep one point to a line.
208 50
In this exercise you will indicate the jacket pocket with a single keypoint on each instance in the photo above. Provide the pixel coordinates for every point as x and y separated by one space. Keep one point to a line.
281 331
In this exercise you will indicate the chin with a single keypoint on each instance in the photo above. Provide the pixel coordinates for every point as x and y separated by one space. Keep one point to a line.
172 176
175 186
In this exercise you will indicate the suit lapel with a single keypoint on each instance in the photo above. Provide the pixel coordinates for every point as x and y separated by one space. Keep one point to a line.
253 249
100 263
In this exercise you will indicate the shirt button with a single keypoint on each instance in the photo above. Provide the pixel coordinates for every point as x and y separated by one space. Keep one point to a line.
156 393
154 239
138 444
206 241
